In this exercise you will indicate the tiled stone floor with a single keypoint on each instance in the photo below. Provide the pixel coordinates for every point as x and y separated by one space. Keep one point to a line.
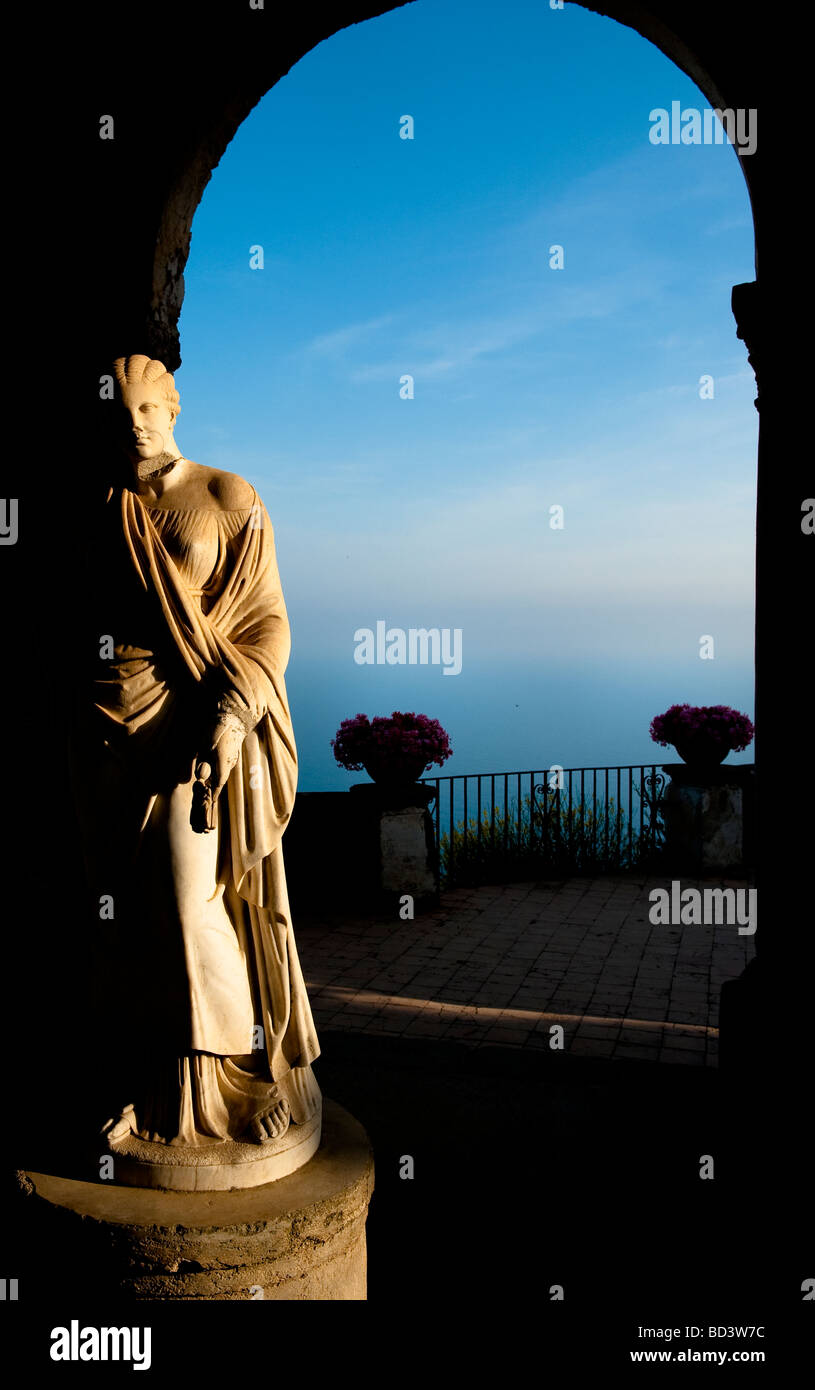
502 965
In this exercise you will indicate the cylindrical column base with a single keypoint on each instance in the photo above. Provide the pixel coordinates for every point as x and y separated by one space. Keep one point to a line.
301 1238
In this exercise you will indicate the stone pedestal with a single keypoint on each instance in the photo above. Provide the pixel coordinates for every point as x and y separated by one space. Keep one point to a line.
301 1238
397 829
708 819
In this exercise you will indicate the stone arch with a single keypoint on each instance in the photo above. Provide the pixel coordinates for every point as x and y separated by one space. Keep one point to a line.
208 138
130 245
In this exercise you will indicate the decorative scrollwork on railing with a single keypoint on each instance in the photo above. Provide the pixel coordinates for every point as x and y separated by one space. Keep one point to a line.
545 822
549 809
651 791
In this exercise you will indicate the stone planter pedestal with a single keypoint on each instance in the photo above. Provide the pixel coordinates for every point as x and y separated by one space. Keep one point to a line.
708 818
398 844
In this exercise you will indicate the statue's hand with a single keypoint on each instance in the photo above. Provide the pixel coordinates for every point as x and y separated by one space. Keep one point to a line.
221 757
226 749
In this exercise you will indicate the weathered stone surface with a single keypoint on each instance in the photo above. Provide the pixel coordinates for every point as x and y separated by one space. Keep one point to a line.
407 865
705 821
300 1238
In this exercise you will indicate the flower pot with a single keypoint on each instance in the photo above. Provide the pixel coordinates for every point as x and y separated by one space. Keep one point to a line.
394 771
701 749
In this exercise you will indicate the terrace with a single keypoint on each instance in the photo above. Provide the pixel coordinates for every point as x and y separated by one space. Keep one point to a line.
542 938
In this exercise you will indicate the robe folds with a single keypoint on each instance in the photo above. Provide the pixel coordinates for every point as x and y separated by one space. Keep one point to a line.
197 959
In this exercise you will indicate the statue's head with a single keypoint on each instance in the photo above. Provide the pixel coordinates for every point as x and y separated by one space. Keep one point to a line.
148 406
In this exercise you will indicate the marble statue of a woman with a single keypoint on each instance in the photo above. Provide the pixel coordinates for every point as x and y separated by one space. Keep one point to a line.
184 768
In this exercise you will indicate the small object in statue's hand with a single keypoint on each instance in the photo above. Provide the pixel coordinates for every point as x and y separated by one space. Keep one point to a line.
201 810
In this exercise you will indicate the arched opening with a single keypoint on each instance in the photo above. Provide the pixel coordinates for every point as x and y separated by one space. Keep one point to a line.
597 1025
350 239
225 78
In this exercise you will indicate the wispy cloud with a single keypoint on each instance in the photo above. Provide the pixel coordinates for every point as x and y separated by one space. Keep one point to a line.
339 340
445 348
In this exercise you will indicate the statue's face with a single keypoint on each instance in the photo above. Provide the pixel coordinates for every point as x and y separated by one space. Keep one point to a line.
145 421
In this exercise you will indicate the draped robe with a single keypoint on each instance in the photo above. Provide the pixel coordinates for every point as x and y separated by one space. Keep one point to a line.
198 968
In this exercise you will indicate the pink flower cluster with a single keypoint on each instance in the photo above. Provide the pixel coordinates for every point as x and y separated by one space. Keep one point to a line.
398 737
720 722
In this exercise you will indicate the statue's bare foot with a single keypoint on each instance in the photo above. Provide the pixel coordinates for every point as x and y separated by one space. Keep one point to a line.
121 1126
272 1125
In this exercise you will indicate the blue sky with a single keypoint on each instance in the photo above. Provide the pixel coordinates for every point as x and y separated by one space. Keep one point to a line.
533 387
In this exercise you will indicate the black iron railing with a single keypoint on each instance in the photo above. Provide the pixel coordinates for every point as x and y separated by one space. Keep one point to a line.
494 826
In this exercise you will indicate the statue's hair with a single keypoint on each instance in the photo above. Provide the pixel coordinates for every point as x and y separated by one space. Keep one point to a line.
132 370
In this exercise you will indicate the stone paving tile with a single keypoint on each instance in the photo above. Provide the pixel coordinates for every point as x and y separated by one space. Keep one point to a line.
500 965
695 1044
593 1047
600 1031
673 1055
626 1053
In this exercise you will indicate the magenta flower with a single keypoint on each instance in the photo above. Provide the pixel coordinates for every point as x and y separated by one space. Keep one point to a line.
398 737
720 722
